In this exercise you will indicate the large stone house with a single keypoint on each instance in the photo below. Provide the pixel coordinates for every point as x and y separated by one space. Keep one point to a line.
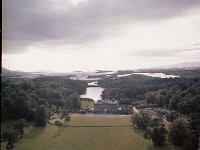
106 106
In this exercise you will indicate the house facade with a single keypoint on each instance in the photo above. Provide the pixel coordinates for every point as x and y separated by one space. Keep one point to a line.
106 106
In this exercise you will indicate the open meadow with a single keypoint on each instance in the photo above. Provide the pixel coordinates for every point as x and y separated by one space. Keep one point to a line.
88 138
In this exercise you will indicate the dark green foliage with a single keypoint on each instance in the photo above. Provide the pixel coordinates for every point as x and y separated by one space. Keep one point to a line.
42 101
52 110
126 109
156 131
10 138
186 134
20 98
185 102
195 121
58 124
67 119
183 73
193 132
74 103
189 146
41 116
178 132
19 126
156 122
132 87
158 135
141 120
58 82
180 94
64 113
173 103
19 107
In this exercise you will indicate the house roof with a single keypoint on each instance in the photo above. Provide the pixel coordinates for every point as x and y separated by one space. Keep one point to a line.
107 101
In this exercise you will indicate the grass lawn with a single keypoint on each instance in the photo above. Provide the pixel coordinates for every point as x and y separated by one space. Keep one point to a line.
88 138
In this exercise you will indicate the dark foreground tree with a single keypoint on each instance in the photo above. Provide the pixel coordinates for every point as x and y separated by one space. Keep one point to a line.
65 115
141 120
193 136
41 116
58 124
52 110
178 132
156 132
10 138
19 126
67 119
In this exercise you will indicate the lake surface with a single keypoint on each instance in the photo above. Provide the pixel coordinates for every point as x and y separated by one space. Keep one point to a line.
159 75
93 83
93 93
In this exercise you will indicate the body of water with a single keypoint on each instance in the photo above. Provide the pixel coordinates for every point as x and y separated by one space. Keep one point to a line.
93 93
159 75
93 83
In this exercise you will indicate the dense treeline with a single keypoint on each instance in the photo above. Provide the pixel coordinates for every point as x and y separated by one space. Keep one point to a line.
182 94
21 99
126 88
184 101
181 132
183 73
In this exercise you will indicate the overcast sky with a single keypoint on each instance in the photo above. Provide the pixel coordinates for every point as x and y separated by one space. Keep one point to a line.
70 35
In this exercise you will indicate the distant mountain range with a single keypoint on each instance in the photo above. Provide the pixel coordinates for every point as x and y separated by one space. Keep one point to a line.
7 72
183 65
21 74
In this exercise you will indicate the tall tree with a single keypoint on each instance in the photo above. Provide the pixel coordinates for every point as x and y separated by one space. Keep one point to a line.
10 138
156 132
41 116
141 120
19 107
19 126
58 124
67 119
178 132
193 132
65 114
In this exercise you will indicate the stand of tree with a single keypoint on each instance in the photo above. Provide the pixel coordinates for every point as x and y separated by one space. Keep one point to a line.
183 133
13 136
26 98
180 94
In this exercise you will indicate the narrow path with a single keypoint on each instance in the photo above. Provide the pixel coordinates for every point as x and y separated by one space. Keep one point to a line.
27 131
135 110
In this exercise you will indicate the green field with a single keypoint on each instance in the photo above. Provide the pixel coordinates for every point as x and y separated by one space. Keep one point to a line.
88 138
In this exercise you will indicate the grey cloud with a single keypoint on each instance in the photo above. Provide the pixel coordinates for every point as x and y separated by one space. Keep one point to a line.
27 22
165 52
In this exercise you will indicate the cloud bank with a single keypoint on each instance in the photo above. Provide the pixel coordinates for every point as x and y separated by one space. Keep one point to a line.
32 22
